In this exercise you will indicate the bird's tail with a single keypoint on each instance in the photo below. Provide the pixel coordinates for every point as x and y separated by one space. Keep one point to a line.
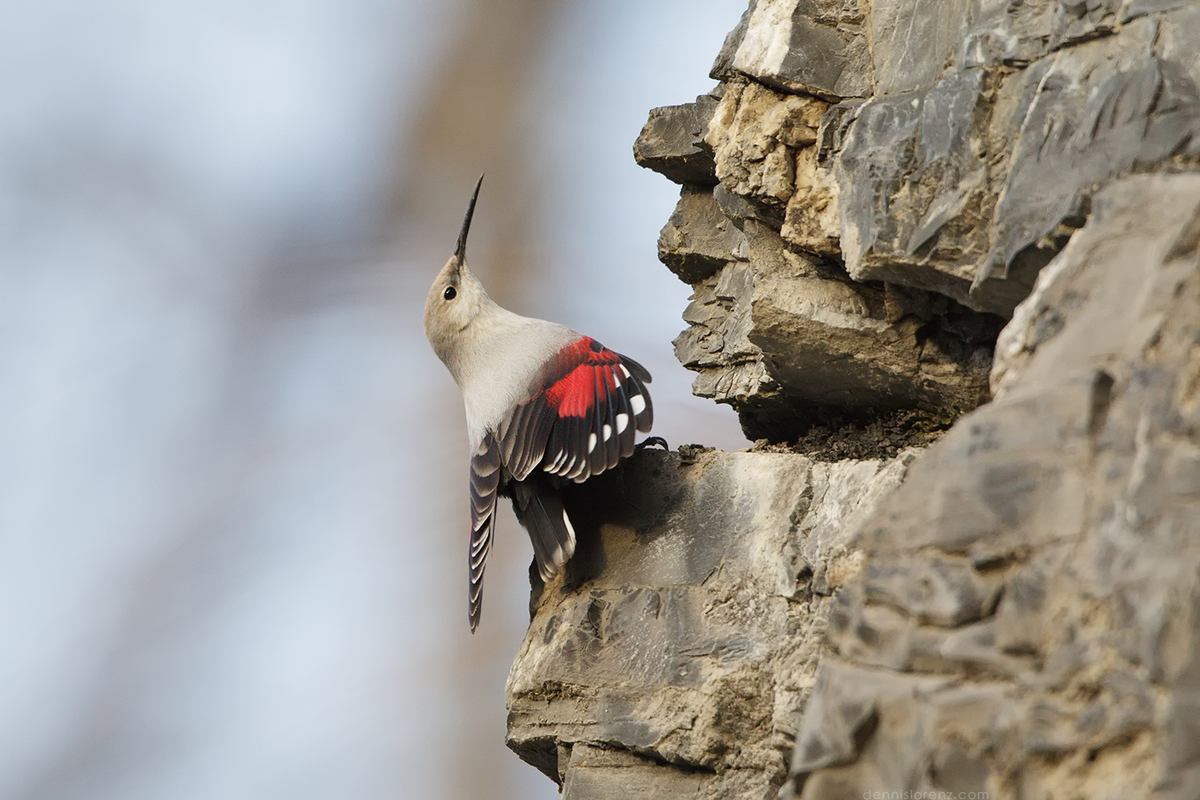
540 509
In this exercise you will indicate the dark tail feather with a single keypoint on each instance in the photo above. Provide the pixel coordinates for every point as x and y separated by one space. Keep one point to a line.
540 509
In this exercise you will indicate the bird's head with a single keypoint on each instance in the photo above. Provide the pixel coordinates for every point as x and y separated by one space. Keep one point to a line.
456 298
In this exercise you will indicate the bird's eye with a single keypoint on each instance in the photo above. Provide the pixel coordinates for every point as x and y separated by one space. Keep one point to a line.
450 293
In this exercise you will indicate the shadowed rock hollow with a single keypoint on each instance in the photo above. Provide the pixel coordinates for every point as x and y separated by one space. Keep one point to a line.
901 220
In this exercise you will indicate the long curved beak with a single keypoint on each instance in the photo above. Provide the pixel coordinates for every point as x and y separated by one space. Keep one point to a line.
460 252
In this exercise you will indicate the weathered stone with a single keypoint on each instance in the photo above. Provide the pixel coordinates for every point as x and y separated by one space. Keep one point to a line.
843 49
914 196
1022 626
699 238
678 630
811 219
814 48
786 340
911 43
672 142
961 34
1138 8
1006 34
838 720
594 772
1084 19
716 344
861 349
1098 110
722 67
1079 499
739 209
754 134
841 748
1018 612
967 182
941 591
1032 346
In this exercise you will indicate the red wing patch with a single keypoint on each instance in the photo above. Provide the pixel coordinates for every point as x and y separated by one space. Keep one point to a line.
583 414
600 402
588 369
584 420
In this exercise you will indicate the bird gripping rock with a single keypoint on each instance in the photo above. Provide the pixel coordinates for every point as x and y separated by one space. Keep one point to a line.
545 405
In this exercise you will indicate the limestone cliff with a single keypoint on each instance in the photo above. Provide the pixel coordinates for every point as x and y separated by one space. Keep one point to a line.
901 218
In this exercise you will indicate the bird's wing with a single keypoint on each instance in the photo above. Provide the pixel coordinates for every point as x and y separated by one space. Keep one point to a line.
485 480
582 416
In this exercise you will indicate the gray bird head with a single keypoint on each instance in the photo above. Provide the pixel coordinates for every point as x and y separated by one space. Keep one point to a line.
455 300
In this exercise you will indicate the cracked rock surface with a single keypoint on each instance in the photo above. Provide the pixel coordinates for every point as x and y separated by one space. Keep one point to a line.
1024 623
981 218
676 649
943 152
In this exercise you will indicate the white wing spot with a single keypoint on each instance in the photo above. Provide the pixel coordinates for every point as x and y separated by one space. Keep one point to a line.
622 422
548 571
570 527
624 371
607 431
477 559
578 468
591 442
637 403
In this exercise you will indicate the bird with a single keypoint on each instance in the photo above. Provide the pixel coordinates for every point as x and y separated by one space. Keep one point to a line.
545 406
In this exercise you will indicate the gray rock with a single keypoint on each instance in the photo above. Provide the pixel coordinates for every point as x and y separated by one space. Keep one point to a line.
595 772
1138 8
786 341
815 48
739 209
938 590
842 745
798 338
717 347
912 43
917 202
1015 613
680 641
837 720
672 142
902 196
965 182
1099 110
722 67
1075 502
914 198
699 238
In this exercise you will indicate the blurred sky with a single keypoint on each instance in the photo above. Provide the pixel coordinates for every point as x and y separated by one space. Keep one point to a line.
232 474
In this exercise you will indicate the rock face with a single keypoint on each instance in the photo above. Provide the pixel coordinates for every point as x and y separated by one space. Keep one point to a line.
985 214
1025 624
675 652
941 178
